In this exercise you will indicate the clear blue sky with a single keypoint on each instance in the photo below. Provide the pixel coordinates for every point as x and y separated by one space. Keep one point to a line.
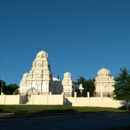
80 36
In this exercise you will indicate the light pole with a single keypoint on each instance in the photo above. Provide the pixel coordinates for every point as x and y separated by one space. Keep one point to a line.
2 85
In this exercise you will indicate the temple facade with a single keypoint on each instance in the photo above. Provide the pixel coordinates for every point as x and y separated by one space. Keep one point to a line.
67 84
104 83
39 87
39 80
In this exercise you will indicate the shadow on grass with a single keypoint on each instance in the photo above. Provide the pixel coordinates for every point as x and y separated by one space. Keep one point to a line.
123 108
48 112
52 109
1 110
121 128
59 111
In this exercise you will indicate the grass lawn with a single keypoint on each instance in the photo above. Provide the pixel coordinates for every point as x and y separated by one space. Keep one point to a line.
47 109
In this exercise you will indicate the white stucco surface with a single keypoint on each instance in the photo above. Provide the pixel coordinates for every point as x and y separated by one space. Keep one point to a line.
9 99
104 82
39 77
59 99
67 84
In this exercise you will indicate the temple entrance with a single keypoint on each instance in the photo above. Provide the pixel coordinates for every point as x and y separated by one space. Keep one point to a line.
32 91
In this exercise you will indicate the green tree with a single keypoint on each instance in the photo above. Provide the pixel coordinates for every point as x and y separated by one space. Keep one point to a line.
81 80
2 86
7 89
11 88
16 92
122 86
88 85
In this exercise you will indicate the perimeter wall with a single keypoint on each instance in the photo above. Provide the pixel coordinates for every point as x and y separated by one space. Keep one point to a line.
50 99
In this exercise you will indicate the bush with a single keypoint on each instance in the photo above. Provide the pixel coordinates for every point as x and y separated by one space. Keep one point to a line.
16 92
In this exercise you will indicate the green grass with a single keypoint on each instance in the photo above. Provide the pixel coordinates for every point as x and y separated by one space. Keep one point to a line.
48 109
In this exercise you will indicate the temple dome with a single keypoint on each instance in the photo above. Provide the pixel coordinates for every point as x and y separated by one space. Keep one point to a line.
41 53
67 74
103 71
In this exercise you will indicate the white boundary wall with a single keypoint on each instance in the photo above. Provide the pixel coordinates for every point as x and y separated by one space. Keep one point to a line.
93 101
34 100
46 100
50 99
9 99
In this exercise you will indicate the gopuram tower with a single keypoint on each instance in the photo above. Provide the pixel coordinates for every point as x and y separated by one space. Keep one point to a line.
67 84
39 78
104 83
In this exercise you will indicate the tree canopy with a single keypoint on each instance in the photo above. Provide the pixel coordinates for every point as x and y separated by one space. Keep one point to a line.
122 86
7 89
88 85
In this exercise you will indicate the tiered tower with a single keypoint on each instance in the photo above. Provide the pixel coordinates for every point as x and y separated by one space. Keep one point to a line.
67 84
39 77
104 82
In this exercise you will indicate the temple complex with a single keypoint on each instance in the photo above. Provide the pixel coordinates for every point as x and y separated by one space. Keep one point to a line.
39 87
104 83
39 80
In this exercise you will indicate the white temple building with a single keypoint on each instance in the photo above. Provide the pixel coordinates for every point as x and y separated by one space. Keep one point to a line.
39 87
104 83
67 84
39 80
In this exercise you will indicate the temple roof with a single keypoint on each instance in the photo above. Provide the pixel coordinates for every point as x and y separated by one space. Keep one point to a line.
41 53
104 71
67 74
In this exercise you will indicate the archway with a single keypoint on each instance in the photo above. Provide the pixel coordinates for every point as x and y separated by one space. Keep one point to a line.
32 91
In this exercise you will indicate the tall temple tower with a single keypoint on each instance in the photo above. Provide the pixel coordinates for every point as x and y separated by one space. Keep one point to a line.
67 84
104 82
39 79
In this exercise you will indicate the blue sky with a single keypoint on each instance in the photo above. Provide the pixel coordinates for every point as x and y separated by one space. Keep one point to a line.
80 36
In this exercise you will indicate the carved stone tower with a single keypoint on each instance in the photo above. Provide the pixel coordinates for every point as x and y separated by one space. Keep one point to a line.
104 82
67 84
39 78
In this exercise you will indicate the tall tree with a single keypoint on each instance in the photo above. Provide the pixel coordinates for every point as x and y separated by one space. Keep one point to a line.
7 89
2 86
90 86
122 86
81 80
11 88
